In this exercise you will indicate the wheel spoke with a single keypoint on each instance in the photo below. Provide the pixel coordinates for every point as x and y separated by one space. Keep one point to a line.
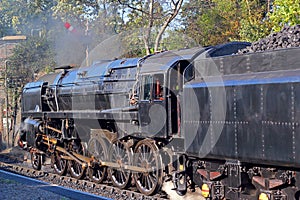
153 160
148 182
76 169
143 180
151 157
146 156
122 177
36 161
118 153
152 179
140 159
59 164
98 148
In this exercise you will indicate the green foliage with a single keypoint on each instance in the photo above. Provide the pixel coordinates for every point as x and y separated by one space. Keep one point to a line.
108 19
285 12
175 39
137 25
200 23
254 24
22 16
30 18
30 57
149 19
6 15
211 22
75 8
219 21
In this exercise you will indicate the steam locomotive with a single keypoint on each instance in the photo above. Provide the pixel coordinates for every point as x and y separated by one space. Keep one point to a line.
200 117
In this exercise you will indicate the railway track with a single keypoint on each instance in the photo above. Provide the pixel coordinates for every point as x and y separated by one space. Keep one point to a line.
65 185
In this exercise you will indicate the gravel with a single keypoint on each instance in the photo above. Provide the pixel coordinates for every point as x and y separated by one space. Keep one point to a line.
12 190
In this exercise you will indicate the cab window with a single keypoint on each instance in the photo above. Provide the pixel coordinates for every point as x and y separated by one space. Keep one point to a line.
158 87
147 82
153 87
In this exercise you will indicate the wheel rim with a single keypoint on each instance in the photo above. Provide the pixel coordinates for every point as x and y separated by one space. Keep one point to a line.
121 155
98 149
98 174
36 161
76 169
146 156
59 165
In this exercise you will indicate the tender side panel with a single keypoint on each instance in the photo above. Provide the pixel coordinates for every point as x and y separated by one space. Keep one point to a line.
248 115
283 59
260 124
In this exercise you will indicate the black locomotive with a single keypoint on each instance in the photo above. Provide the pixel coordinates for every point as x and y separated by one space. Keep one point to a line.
200 117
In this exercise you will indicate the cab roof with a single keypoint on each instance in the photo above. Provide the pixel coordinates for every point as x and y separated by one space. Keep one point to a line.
161 62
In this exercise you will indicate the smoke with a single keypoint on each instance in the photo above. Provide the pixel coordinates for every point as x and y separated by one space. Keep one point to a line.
76 44
69 49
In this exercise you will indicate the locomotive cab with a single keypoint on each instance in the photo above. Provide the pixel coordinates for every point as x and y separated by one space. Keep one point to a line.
152 105
160 83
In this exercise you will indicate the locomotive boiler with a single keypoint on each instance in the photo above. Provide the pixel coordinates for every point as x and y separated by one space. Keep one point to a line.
200 117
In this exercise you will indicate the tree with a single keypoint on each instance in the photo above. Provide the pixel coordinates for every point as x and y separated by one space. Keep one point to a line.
254 22
153 16
75 11
30 57
23 16
110 18
5 22
212 22
30 18
175 39
285 12
218 21
33 18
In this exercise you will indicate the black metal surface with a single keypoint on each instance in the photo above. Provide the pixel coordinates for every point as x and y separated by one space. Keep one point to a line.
87 114
30 129
261 122
31 96
283 59
103 85
153 118
161 62
227 49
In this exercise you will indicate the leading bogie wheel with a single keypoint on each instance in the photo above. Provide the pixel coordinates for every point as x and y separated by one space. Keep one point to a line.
146 155
98 148
119 153
36 160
